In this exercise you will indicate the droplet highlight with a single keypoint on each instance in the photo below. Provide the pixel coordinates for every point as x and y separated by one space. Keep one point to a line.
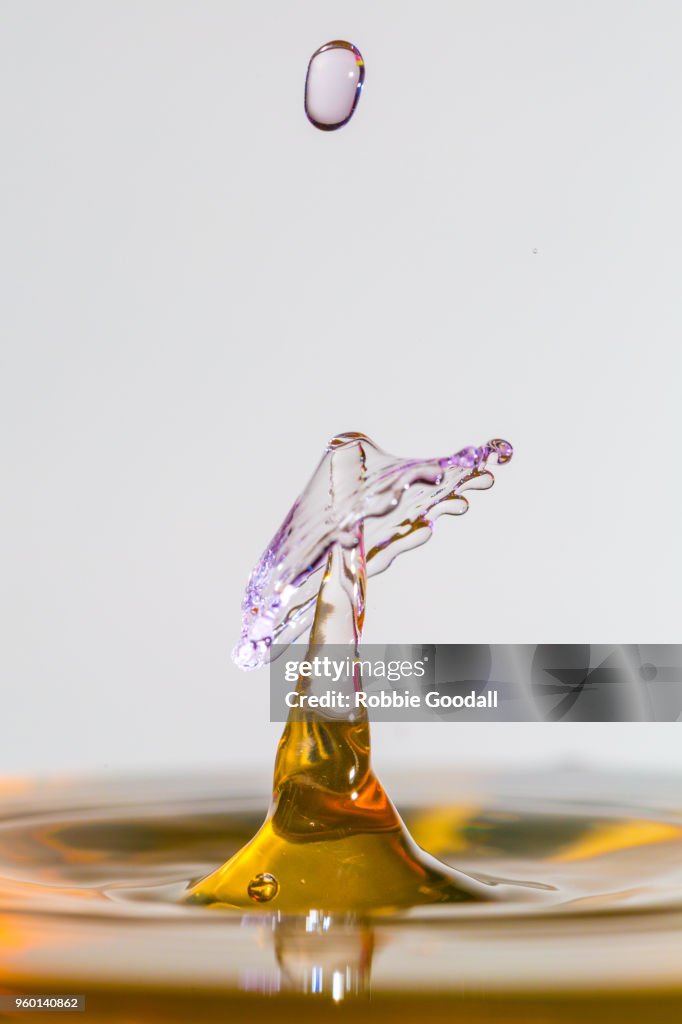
263 888
333 84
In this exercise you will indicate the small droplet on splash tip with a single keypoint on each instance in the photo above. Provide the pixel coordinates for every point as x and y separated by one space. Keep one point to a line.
263 888
333 84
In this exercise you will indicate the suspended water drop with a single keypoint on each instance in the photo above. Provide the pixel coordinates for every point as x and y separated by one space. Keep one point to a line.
333 84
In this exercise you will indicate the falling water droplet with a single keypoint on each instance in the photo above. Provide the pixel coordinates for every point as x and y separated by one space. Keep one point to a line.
333 84
263 888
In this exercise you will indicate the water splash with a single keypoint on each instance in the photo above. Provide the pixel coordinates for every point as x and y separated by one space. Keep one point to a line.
395 501
332 839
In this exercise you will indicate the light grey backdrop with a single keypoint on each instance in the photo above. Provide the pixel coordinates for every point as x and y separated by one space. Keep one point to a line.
198 289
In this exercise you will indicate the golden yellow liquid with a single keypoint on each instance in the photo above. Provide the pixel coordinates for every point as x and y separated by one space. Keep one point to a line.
332 840
92 877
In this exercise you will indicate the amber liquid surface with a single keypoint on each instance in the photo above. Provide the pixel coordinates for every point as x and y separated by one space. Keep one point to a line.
92 877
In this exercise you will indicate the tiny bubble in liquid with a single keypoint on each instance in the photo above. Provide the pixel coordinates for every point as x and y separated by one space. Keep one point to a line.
263 888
